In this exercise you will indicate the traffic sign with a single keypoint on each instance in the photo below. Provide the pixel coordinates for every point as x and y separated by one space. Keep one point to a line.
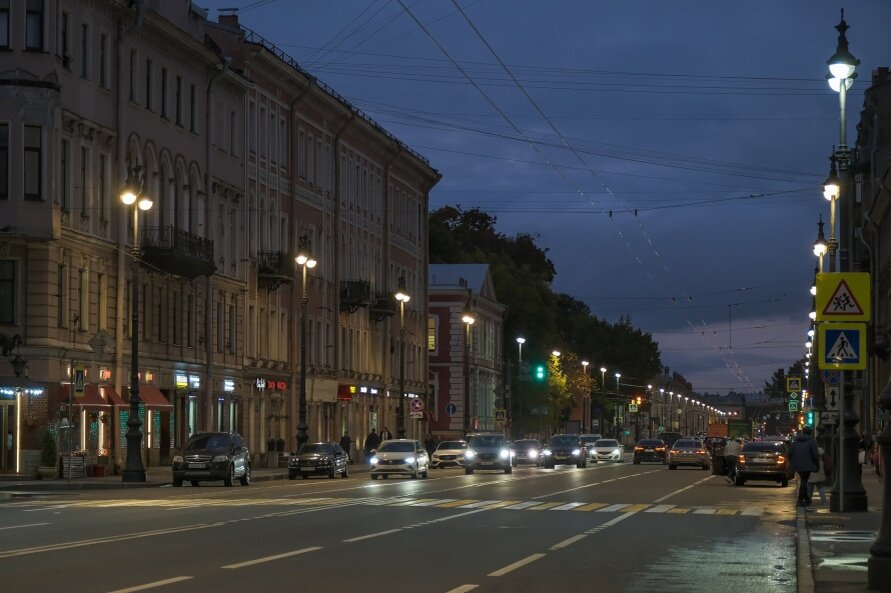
842 346
833 398
830 377
793 395
500 416
829 417
632 407
80 374
417 404
414 414
793 383
451 409
793 405
843 296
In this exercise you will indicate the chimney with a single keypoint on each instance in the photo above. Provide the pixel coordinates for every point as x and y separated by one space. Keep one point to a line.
230 19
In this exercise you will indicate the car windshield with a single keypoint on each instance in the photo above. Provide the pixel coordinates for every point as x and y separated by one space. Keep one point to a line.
606 443
564 441
773 447
650 443
588 439
687 444
317 448
208 441
487 441
451 445
526 444
397 447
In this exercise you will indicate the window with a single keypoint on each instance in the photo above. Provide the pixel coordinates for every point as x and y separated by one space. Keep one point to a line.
85 197
102 301
252 126
7 291
431 333
221 325
164 93
33 169
148 84
262 139
85 51
179 100
190 320
34 25
4 161
4 24
230 342
233 132
193 125
177 317
103 187
159 314
83 305
103 60
65 172
133 75
62 295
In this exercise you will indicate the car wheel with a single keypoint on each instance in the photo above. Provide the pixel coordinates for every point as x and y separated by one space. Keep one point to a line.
468 471
303 476
292 475
332 473
705 467
579 465
385 476
784 482
227 481
246 478
637 462
739 481
414 475
177 483
427 472
195 483
508 470
374 476
346 471
672 466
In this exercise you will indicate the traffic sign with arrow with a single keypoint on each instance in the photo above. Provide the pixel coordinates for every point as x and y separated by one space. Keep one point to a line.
832 398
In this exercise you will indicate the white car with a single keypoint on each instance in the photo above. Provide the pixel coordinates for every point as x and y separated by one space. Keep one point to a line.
589 440
400 456
448 454
608 450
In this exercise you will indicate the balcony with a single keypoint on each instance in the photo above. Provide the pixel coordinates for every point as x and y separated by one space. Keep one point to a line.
274 268
354 294
383 306
177 252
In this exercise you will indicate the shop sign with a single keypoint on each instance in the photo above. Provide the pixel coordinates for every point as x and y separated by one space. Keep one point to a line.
182 381
194 381
228 385
346 392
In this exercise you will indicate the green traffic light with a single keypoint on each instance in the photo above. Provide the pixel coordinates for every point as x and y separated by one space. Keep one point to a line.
540 372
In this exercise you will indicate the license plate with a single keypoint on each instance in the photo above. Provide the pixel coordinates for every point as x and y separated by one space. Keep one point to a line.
648 450
486 462
307 469
759 460
197 465
562 456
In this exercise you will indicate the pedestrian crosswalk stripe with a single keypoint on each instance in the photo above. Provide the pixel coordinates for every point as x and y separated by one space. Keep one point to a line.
456 503
503 503
412 502
753 511
568 506
704 511
679 511
523 505
613 508
544 506
635 508
660 508
432 502
591 506
726 512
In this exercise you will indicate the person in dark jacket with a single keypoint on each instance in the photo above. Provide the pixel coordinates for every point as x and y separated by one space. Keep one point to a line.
345 441
805 458
371 443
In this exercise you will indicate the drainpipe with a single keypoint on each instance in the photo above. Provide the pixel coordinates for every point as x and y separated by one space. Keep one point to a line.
335 273
870 404
220 69
121 260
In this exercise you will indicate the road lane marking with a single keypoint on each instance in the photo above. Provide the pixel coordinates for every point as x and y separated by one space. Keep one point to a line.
522 505
568 506
371 535
613 508
661 508
704 511
152 585
621 517
271 558
592 506
20 526
679 511
595 484
569 541
544 506
753 512
636 508
463 589
518 564
457 503
693 485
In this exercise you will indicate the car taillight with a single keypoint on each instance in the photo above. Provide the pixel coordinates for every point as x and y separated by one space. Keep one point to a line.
660 448
638 448
781 459
700 452
741 458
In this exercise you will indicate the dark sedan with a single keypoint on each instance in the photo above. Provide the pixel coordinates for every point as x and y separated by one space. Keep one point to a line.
650 450
314 459
526 451
763 460
565 449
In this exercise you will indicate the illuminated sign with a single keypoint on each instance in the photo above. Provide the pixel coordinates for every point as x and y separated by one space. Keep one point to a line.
182 381
228 385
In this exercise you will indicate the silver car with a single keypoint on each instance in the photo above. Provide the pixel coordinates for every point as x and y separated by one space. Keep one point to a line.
400 456
448 454
608 450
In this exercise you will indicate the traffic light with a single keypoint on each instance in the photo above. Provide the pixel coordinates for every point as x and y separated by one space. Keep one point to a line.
810 418
540 372
638 400
801 420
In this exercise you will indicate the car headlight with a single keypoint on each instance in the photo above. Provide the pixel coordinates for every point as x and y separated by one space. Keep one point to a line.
505 454
533 454
576 452
220 459
470 454
546 452
177 459
410 460
616 451
374 461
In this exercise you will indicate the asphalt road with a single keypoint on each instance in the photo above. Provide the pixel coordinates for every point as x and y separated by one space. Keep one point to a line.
607 528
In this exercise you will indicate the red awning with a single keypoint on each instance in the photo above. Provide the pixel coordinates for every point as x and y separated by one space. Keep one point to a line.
91 397
150 395
113 396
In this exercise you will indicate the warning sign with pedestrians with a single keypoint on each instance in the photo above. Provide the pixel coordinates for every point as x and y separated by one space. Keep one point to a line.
843 296
793 383
842 346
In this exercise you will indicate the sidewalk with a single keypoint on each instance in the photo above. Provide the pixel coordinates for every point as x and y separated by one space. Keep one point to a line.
17 485
834 548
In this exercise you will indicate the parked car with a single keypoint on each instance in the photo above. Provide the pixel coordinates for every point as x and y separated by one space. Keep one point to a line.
210 456
589 440
313 459
400 457
565 449
764 460
526 451
650 450
487 451
448 454
608 450
689 451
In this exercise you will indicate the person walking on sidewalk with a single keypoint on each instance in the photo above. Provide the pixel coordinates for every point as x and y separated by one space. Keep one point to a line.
731 451
805 458
818 479
345 441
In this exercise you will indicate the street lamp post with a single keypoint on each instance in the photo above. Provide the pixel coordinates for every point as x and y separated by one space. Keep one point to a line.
468 318
306 262
131 195
403 297
586 409
515 420
616 408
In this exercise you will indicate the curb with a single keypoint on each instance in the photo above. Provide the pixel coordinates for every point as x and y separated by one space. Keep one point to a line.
804 569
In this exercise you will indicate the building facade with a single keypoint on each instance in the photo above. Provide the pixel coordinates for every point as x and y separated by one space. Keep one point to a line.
243 154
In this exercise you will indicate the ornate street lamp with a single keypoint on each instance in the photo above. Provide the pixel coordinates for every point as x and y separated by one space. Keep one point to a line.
306 262
131 195
468 318
516 420
586 410
403 297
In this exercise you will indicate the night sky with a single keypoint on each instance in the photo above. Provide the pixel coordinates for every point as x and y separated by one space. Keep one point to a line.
669 156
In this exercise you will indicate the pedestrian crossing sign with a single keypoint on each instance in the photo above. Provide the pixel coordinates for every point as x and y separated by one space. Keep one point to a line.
843 296
842 346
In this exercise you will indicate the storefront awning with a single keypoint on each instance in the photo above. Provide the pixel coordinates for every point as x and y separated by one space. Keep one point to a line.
150 395
91 397
113 396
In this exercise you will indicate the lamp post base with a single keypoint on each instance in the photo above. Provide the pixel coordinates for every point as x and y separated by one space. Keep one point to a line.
133 475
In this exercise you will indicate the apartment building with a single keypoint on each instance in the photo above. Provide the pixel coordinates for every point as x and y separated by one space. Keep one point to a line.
243 154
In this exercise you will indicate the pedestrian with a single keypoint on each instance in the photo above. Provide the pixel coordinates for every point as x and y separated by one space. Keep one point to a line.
805 459
818 479
345 441
731 452
430 445
371 443
386 435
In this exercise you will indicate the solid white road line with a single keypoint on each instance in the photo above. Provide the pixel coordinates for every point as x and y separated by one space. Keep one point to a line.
518 564
152 585
463 589
28 525
568 541
693 485
271 558
371 535
622 517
